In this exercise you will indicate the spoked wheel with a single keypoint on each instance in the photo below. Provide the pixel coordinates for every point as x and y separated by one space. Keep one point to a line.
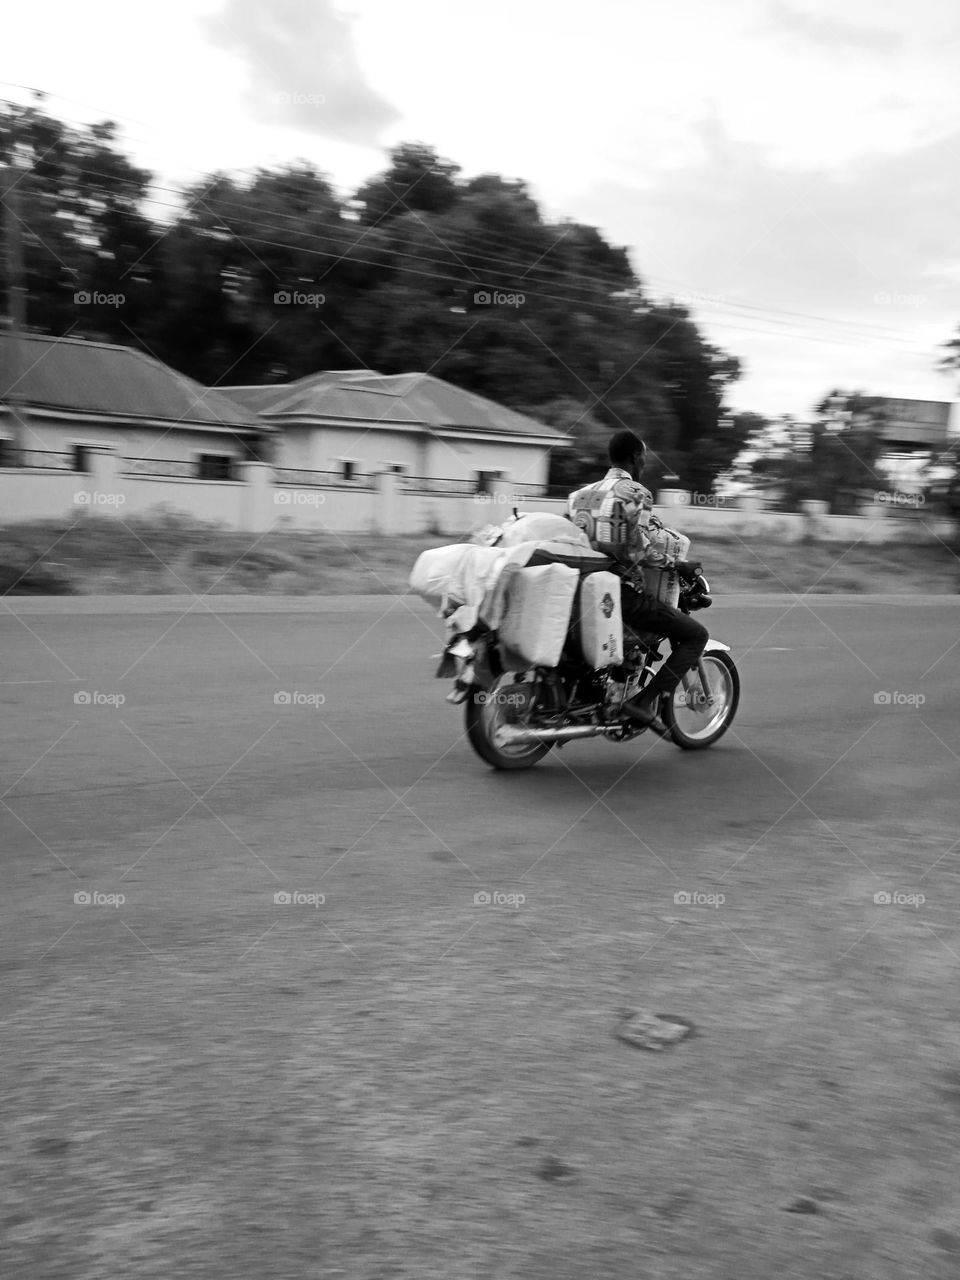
489 711
695 721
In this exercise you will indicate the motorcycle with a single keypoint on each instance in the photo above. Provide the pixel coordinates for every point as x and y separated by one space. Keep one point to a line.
515 717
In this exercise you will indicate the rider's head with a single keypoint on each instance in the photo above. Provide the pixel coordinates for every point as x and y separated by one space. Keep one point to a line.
627 450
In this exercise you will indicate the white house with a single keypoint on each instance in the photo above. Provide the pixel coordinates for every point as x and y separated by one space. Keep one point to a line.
63 398
347 425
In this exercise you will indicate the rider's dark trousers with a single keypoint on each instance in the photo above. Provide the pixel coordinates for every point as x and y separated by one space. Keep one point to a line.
644 612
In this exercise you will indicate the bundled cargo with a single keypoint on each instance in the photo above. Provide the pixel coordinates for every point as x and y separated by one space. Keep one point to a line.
457 578
542 527
664 583
537 613
601 620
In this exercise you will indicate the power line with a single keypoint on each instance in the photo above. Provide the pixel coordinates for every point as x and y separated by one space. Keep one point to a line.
539 272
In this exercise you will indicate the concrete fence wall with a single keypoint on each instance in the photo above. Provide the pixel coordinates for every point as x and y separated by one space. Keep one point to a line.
257 502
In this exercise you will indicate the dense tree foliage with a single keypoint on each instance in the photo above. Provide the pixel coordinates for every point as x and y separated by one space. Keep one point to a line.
835 458
273 275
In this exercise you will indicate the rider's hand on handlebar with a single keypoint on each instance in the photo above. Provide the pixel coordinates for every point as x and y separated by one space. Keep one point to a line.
689 570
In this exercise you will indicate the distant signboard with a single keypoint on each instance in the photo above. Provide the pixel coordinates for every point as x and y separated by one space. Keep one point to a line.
911 424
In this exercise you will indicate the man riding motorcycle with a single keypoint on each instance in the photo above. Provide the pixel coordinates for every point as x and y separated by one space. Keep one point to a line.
616 515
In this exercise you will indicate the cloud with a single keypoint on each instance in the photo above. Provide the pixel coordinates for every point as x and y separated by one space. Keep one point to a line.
815 276
304 70
830 33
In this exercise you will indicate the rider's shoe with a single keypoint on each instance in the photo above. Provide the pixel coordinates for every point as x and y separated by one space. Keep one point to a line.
645 715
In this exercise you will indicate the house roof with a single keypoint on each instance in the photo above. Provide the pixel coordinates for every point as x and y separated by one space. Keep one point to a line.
409 399
98 378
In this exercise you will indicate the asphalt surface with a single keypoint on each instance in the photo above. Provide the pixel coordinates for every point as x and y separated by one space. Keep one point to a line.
397 1080
367 751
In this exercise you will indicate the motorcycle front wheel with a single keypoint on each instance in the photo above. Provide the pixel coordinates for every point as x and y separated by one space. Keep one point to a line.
488 711
696 722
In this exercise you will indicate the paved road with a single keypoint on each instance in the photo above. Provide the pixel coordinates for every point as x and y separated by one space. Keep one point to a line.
377 776
203 1082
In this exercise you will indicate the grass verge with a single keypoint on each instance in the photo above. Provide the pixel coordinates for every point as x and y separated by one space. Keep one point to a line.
173 554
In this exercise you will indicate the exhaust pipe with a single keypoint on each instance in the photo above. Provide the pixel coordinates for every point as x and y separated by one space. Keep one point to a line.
509 735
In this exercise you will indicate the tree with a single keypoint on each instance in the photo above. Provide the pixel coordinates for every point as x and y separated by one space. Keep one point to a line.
950 363
389 277
84 233
417 179
833 459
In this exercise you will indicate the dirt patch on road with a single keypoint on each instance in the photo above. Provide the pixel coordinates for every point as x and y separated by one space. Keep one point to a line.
426 1091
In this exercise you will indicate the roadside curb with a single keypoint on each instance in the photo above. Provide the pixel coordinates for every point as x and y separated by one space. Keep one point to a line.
33 606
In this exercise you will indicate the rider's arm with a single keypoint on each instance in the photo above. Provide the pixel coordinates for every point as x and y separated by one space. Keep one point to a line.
642 547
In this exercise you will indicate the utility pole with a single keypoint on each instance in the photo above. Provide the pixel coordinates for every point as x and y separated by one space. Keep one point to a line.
16 305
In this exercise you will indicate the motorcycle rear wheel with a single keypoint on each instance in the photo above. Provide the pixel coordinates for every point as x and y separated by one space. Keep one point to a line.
488 710
694 728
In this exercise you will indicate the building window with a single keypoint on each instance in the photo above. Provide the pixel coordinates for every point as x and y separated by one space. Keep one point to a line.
349 468
485 480
81 458
214 466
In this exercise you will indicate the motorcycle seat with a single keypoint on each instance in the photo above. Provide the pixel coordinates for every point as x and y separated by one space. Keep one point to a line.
589 562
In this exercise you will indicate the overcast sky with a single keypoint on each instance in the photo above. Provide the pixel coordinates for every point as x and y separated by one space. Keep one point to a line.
790 169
